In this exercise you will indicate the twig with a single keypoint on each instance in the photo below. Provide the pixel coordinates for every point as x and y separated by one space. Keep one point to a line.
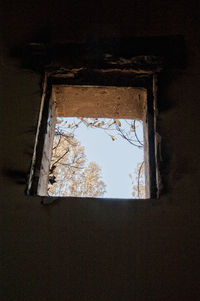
136 136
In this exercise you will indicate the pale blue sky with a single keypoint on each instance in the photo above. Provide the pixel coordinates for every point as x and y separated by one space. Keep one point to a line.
117 159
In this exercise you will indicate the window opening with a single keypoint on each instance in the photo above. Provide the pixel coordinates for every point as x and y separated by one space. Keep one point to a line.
116 114
130 104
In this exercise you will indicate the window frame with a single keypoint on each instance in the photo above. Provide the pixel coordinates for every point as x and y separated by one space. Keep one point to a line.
99 77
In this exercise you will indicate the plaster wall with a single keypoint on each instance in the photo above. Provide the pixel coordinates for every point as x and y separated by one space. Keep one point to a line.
94 249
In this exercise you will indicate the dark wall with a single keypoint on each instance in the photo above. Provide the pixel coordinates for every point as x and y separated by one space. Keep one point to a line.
100 250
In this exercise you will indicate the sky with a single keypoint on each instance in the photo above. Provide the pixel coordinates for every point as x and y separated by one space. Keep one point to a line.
117 159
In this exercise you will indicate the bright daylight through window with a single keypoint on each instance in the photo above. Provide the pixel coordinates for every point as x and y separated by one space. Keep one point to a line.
96 157
95 142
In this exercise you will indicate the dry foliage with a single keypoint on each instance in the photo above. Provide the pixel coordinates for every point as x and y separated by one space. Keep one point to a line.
138 184
69 173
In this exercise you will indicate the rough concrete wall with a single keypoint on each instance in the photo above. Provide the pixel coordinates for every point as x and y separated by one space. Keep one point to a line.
110 102
100 250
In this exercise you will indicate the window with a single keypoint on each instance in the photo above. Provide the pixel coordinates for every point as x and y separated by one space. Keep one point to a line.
107 97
